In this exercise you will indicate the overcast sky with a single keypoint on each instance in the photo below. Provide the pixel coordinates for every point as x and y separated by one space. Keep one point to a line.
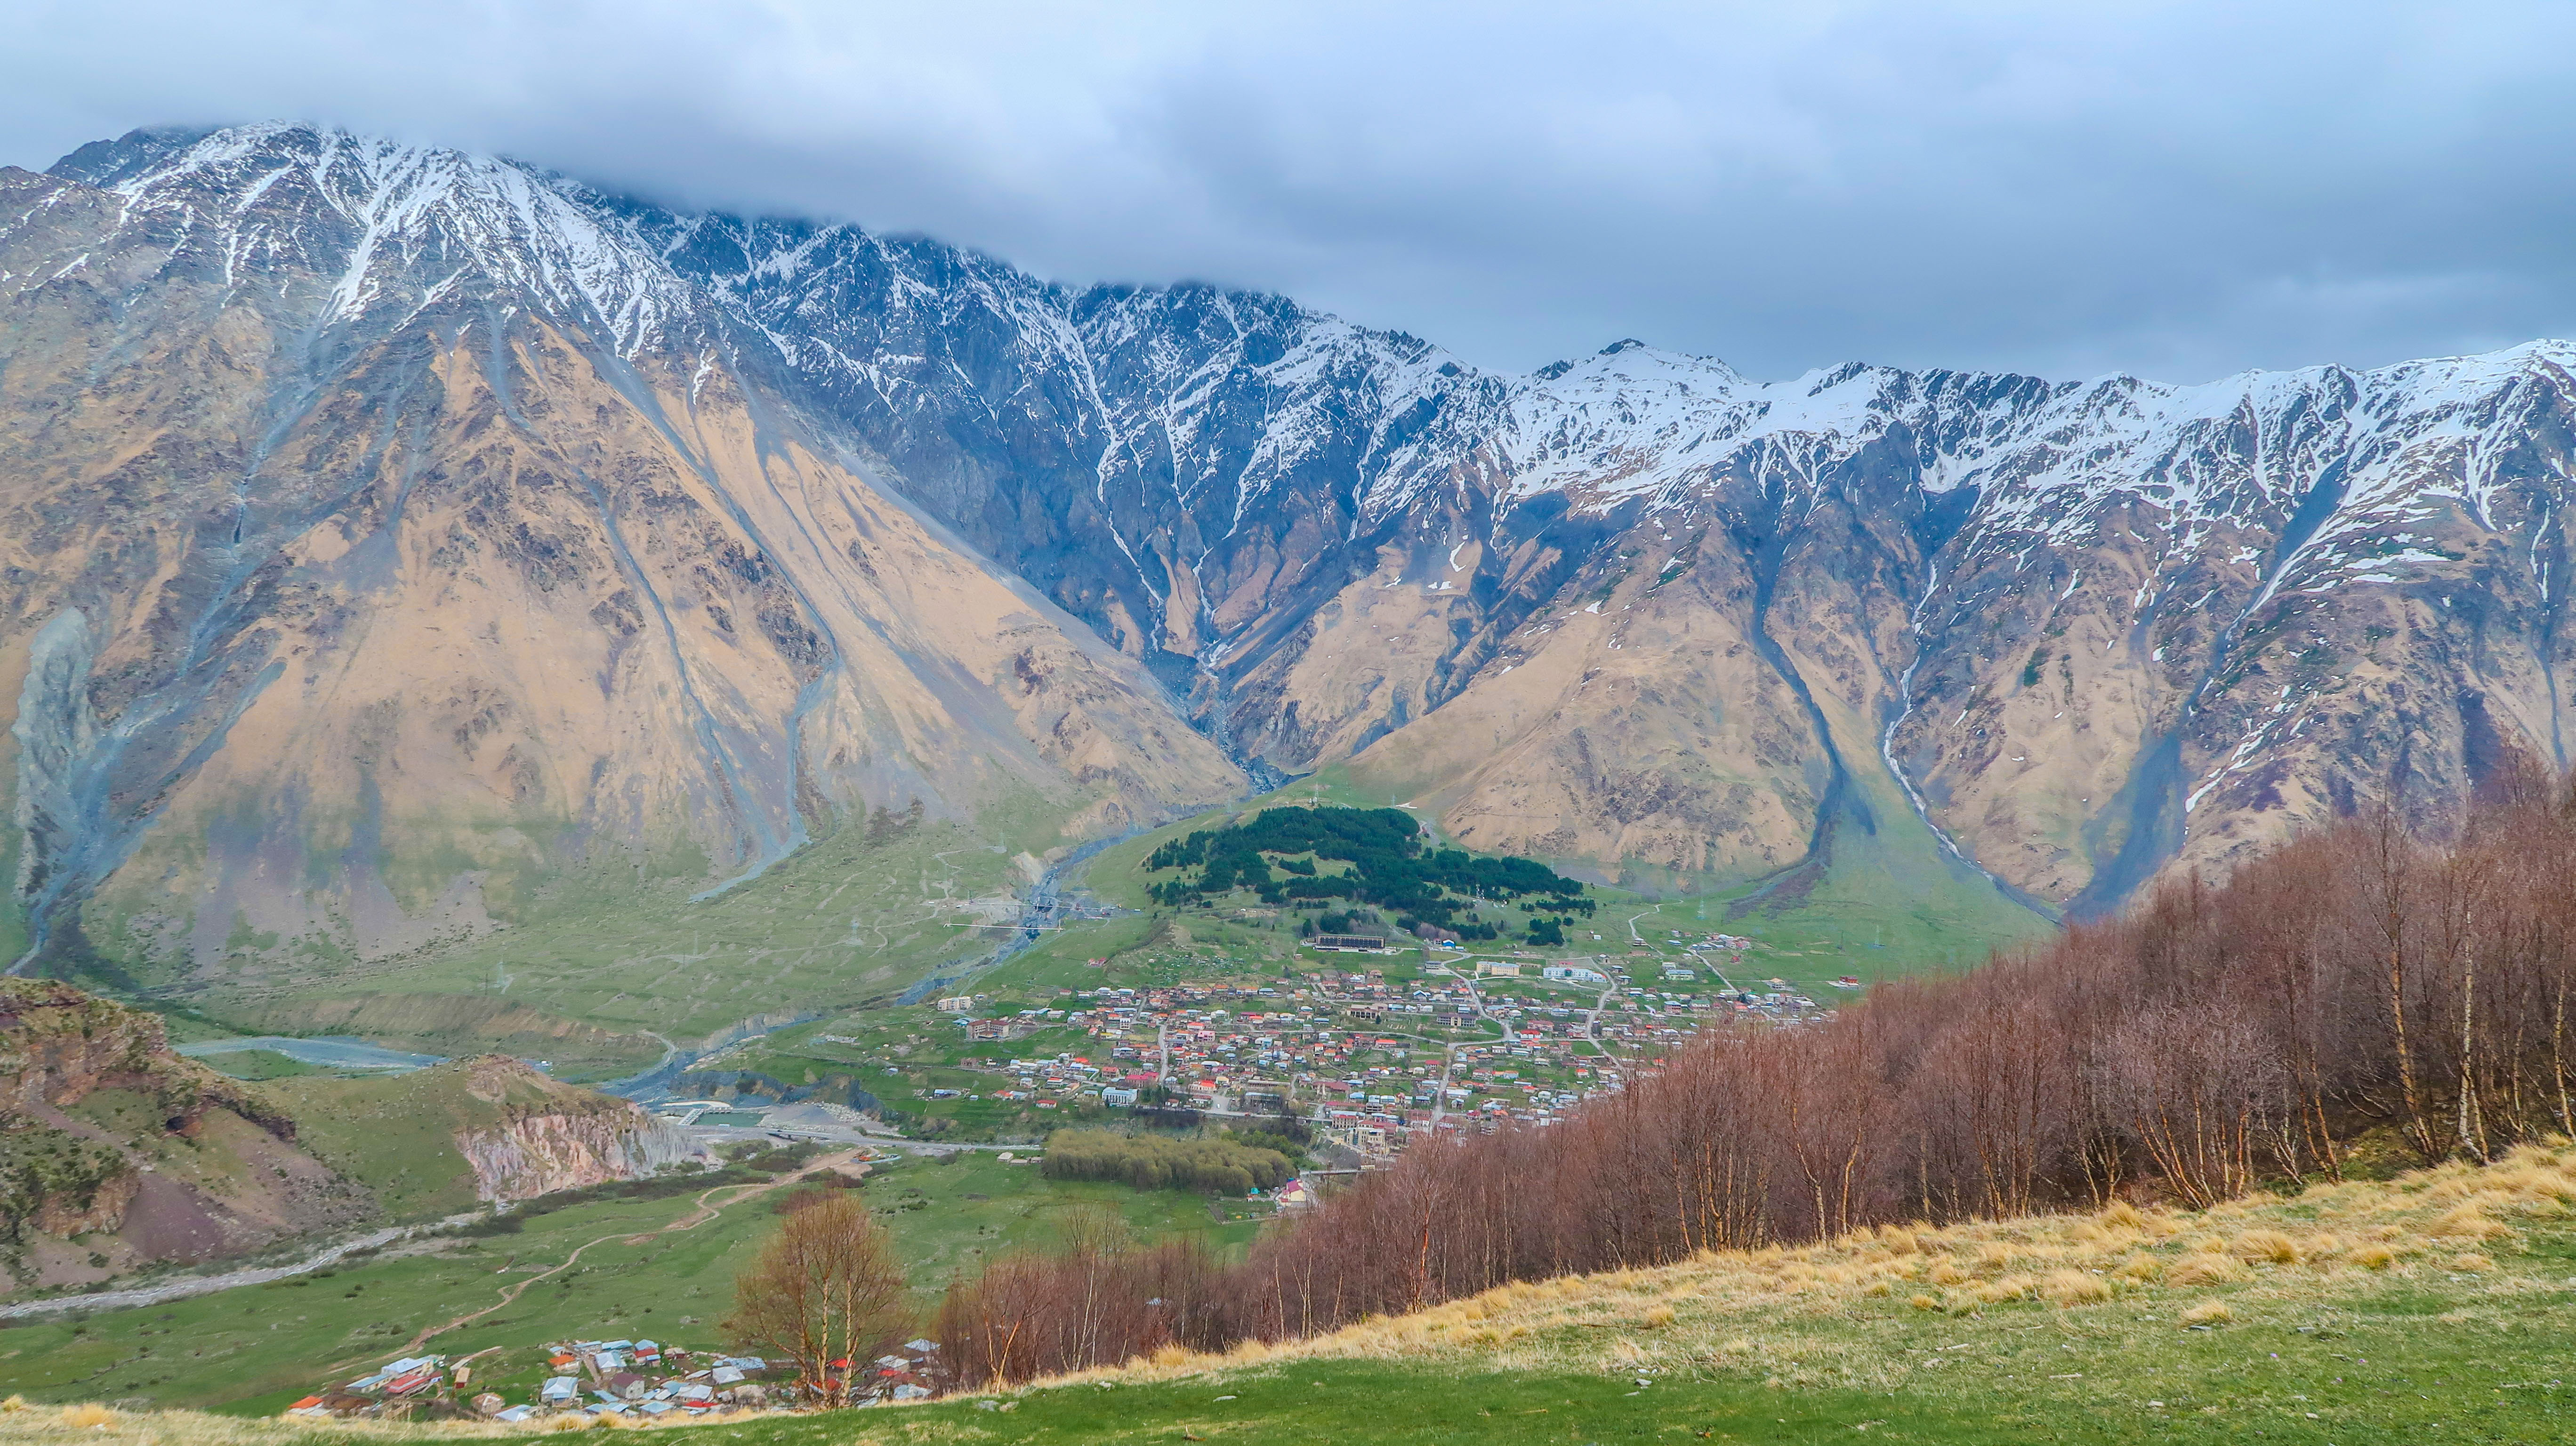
2179 190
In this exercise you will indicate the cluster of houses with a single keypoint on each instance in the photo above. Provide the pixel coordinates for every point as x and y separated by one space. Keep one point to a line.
643 1378
988 1028
391 1390
1255 1049
1722 955
596 1378
635 1379
908 1375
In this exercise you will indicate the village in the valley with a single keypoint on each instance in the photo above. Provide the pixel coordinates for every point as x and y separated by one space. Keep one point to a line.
1370 1062
1369 1046
1379 1042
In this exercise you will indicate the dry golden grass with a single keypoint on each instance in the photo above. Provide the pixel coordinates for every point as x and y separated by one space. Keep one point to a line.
2266 1245
95 1424
2074 1287
2205 1268
1783 1312
2469 1222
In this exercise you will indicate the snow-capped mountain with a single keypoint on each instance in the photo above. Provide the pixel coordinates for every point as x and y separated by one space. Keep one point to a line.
1635 611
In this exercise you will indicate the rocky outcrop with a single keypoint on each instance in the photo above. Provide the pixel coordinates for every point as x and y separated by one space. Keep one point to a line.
550 1136
59 1046
538 1154
145 1156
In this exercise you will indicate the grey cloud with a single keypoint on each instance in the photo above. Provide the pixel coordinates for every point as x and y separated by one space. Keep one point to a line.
2178 190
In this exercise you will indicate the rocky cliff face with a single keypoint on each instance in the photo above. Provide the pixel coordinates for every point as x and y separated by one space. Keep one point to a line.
107 1136
391 529
553 1137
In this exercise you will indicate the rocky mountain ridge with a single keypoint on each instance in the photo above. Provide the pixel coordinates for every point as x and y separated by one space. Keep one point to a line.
1245 471
370 571
1633 612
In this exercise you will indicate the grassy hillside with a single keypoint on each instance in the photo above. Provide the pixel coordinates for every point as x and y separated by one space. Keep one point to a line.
397 1133
646 1272
596 967
259 1347
258 1065
2432 1308
1891 902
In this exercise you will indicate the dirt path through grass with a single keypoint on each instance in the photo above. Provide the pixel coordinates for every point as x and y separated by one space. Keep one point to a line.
705 1208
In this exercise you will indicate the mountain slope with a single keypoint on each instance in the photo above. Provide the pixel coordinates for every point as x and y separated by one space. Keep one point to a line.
393 531
2055 618
390 538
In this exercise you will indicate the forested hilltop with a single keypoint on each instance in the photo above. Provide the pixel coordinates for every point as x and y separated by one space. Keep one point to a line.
1387 865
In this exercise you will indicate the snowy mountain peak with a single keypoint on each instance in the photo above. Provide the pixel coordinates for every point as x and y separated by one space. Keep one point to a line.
1204 397
401 226
1324 535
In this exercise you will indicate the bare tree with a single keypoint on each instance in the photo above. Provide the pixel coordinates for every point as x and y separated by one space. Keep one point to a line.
826 1294
2388 877
2193 1082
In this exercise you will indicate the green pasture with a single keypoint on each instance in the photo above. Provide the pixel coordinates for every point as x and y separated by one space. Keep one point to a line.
253 1349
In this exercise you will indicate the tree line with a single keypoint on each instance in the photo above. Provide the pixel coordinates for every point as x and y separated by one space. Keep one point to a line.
1158 1162
2356 985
